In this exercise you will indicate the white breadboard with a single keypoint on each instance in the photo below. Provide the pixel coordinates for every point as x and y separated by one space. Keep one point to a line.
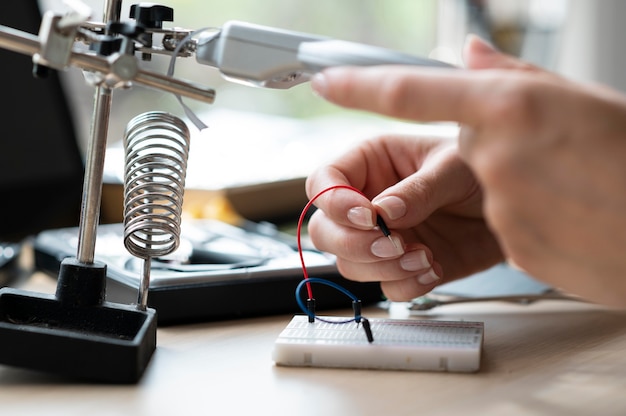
399 344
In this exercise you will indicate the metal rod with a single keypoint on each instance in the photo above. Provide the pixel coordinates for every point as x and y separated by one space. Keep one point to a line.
28 44
94 169
144 285
112 11
168 84
18 41
147 78
94 172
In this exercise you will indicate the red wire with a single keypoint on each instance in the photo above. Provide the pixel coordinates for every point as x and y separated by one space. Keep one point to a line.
299 229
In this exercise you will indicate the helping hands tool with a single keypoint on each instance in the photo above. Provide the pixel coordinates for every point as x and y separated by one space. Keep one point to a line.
75 332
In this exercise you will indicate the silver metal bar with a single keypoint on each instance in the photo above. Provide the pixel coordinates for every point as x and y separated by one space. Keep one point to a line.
28 44
168 84
18 41
147 78
112 11
94 172
94 169
144 285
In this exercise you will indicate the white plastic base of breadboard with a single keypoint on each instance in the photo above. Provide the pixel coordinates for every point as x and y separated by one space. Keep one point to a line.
399 344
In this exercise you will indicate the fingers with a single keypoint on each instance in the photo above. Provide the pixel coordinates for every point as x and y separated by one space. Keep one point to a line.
353 245
427 174
404 290
345 206
361 174
428 94
416 264
399 91
478 54
344 224
442 181
369 256
413 275
502 99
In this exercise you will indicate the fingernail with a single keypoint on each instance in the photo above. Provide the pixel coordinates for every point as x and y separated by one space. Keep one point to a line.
383 247
319 84
428 278
414 261
393 206
361 217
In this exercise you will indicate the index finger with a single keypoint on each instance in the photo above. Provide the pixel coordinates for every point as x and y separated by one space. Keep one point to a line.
330 190
407 92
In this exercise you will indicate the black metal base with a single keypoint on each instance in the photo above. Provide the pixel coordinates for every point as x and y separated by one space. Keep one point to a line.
76 333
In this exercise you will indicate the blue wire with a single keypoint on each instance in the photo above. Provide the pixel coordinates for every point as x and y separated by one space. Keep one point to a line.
327 283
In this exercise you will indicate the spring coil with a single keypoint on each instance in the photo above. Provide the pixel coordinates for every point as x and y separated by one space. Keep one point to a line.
156 146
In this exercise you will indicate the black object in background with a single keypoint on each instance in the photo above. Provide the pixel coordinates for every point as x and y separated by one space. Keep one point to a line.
229 272
9 255
41 167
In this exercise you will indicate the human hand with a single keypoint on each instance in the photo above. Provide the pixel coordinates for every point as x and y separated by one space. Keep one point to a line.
425 193
548 153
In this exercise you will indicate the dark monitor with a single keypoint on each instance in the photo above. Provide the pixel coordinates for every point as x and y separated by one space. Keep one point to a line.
41 166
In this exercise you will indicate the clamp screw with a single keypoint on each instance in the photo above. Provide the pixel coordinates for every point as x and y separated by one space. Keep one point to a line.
151 15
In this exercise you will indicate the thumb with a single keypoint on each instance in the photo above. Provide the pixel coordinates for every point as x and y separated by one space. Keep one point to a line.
443 181
478 54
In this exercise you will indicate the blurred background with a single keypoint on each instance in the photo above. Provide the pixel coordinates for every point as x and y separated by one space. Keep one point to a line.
252 160
263 140
404 25
578 38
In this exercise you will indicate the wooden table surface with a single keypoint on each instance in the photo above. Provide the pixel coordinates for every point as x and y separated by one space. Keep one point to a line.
549 357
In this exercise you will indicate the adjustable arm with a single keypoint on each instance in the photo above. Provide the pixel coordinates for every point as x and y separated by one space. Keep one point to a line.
54 48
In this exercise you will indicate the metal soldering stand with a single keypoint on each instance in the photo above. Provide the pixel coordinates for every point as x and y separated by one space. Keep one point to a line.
76 332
